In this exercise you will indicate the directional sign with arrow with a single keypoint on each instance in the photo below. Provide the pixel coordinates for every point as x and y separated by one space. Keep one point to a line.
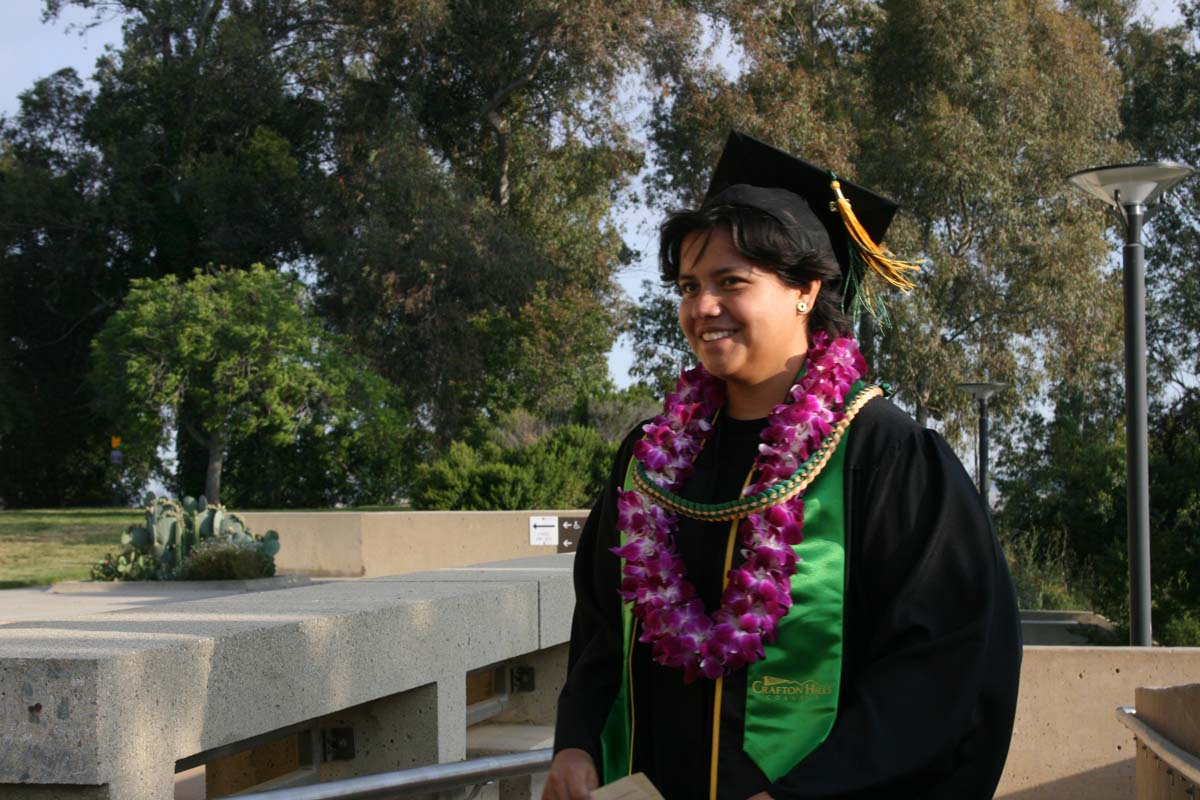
569 529
543 531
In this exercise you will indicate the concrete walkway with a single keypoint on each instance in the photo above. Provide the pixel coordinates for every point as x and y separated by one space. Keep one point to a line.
78 598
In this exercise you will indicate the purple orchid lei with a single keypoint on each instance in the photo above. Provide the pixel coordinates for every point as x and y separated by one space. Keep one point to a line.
758 592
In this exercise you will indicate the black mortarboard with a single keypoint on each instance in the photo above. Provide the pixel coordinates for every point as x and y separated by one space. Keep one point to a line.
818 207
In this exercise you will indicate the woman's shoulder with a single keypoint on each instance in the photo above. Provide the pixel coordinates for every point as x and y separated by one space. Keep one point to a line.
881 427
625 452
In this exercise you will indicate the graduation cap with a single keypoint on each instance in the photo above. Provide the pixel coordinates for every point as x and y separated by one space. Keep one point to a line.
819 209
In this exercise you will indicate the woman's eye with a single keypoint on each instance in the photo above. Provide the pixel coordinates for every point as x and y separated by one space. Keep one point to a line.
685 288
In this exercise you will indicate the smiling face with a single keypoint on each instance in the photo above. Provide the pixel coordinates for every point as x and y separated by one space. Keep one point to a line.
739 318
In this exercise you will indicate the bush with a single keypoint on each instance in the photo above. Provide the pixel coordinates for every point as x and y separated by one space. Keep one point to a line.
1182 631
565 468
1041 572
217 560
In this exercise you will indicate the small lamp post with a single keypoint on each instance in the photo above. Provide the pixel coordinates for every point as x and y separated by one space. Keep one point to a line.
1132 191
982 392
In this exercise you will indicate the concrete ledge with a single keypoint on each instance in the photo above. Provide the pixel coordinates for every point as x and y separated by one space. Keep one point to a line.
172 587
102 706
1067 743
113 700
378 543
498 738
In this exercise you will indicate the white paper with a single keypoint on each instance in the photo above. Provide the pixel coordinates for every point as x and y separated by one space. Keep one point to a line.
636 787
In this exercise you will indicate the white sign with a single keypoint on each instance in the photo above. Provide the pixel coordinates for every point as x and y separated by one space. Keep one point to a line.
543 531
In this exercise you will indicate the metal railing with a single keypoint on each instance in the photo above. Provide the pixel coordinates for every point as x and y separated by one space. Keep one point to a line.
477 773
1176 759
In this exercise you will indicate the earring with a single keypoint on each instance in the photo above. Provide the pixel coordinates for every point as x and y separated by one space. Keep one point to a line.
802 307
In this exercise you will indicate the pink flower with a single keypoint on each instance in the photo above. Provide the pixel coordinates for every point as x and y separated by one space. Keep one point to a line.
682 635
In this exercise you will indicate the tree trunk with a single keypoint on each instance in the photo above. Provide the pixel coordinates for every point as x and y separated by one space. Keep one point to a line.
212 480
500 125
921 412
866 340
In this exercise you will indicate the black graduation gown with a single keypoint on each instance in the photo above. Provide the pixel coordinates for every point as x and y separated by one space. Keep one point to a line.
931 633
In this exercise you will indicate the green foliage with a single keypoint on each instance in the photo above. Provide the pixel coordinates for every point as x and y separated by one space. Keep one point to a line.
1182 631
469 311
359 451
223 356
1063 479
563 469
660 349
969 116
1043 574
1064 514
171 534
130 565
226 560
1161 112
57 281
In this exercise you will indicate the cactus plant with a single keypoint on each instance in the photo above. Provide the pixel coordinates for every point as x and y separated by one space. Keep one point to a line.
172 531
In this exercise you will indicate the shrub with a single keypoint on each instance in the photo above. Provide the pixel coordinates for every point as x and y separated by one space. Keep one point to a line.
565 468
222 560
1182 631
1041 572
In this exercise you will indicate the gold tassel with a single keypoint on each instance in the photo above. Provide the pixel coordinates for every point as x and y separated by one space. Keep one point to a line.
881 260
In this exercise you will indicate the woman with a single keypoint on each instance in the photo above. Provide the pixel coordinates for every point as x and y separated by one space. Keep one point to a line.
789 589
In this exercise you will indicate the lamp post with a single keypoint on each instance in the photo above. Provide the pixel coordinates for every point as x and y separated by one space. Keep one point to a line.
1133 191
982 392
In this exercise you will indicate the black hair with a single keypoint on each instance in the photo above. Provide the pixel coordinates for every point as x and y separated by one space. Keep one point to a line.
771 246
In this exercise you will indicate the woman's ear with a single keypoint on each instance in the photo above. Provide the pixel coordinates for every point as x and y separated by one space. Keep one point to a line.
806 298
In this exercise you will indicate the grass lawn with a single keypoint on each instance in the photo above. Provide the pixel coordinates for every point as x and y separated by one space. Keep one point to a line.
41 546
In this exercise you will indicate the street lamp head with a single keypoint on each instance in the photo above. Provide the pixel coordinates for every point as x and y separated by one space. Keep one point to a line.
982 391
1130 184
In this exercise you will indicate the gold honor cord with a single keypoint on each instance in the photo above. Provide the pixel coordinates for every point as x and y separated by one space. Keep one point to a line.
632 714
719 690
779 493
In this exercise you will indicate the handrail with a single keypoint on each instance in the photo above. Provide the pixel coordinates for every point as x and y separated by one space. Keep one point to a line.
432 778
1186 764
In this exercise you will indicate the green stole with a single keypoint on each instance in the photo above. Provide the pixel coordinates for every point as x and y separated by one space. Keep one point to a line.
792 692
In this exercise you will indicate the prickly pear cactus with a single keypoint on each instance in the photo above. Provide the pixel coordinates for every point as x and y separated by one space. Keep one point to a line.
171 531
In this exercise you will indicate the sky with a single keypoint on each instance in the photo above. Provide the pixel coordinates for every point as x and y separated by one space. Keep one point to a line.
31 49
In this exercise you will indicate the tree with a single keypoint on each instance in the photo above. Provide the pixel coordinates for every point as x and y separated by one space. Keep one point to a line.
970 117
660 350
360 451
195 149
1063 483
980 115
207 145
239 348
56 289
1161 115
468 247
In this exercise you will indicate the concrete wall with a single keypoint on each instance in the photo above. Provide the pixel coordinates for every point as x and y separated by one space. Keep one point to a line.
1067 743
1173 712
377 543
103 706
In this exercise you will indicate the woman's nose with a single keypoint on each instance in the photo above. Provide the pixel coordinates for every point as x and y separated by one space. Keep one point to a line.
707 304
